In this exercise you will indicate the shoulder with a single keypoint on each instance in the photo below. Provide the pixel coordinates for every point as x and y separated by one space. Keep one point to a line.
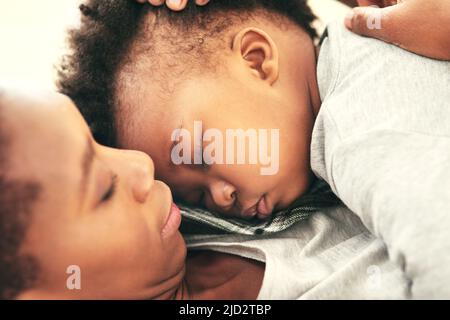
224 276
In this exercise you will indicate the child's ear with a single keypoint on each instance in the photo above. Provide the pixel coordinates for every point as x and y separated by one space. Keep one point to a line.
259 52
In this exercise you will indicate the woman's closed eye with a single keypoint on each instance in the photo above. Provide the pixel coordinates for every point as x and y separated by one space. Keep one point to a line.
110 191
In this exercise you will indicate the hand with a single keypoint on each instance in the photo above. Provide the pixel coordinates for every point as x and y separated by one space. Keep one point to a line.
422 27
175 5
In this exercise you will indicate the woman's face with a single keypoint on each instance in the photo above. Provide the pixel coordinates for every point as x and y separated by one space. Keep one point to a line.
100 209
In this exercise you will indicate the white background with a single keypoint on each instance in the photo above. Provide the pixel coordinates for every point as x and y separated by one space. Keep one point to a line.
32 34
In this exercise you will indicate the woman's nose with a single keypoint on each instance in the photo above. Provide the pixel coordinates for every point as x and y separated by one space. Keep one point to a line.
223 194
142 172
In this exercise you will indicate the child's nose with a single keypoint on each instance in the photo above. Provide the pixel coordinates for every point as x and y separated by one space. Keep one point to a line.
222 193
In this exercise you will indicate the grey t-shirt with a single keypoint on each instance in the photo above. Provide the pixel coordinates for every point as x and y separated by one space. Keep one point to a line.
329 256
382 142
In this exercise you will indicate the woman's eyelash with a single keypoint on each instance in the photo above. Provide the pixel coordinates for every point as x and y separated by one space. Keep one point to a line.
111 190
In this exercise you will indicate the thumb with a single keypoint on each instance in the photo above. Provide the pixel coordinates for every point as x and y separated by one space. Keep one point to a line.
412 25
379 23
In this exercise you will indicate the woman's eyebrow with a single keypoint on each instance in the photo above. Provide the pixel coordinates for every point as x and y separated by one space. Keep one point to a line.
86 166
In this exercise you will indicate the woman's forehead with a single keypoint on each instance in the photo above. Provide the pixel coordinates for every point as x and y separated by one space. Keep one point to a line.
45 131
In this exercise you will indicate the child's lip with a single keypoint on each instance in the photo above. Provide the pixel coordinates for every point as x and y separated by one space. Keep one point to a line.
263 208
250 212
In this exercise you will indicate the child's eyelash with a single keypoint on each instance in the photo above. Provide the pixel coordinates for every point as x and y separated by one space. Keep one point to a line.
201 201
111 190
205 166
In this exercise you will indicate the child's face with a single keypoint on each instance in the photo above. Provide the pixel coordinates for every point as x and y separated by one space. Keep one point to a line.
267 88
99 208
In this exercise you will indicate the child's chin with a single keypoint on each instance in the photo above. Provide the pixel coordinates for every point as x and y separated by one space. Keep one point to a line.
263 217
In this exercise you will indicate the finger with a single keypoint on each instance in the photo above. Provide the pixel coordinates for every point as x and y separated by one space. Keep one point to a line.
387 3
176 5
378 3
366 3
406 25
201 2
155 2
383 24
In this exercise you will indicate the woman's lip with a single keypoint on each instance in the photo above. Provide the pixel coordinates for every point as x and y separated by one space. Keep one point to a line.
173 222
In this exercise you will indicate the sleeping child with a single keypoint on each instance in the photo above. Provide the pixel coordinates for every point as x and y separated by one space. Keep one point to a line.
369 118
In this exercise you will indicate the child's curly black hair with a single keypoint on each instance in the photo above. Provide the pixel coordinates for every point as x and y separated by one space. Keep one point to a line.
101 45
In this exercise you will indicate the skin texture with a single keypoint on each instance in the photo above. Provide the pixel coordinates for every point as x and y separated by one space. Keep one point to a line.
267 77
118 239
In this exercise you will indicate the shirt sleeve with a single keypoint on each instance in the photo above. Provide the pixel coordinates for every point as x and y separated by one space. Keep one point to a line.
398 183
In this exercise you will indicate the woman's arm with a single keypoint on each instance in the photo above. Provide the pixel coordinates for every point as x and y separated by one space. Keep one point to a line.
422 27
